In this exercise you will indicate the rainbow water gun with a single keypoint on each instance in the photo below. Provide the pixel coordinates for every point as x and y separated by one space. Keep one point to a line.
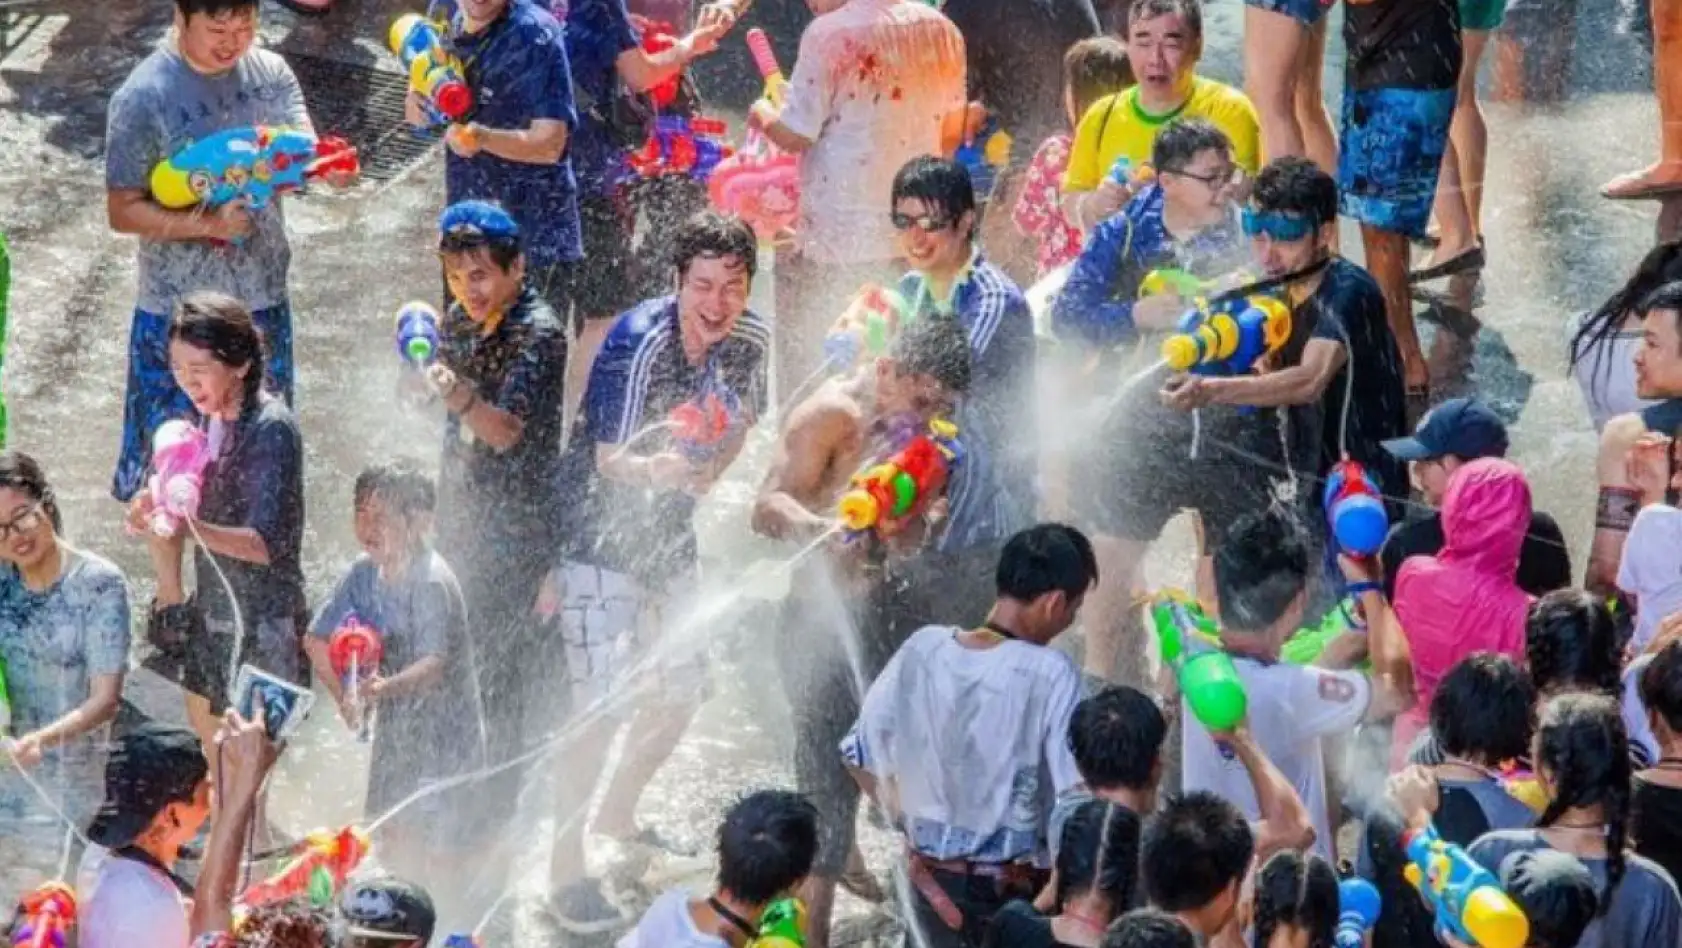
760 183
985 150
49 915
888 494
418 337
680 146
257 163
867 326
783 925
180 454
5 293
701 425
1466 898
434 73
765 59
1228 339
1355 510
323 861
355 650
1358 905
1190 644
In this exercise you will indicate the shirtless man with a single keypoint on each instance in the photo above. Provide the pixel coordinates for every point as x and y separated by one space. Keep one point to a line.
837 430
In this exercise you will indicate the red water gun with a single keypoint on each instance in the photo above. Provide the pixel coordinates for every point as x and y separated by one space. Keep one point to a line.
657 37
681 146
49 915
355 650
323 861
887 495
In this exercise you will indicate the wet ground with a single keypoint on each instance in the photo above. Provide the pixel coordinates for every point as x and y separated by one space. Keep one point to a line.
1555 249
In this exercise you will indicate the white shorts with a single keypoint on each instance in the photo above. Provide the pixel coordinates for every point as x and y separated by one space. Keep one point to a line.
608 623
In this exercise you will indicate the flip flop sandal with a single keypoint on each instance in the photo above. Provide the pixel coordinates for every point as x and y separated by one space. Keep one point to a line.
1464 262
1435 297
1452 319
1651 192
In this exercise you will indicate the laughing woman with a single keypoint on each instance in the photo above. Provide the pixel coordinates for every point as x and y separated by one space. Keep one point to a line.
250 522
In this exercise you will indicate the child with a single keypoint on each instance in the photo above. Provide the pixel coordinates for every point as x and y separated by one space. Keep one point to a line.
421 701
765 849
1092 68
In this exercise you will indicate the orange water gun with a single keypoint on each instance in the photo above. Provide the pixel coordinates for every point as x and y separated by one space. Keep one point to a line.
887 495
323 861
49 915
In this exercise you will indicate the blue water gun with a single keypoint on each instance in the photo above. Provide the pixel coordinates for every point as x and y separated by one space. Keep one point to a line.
1465 897
1229 338
1358 905
257 163
1355 509
417 334
985 155
434 74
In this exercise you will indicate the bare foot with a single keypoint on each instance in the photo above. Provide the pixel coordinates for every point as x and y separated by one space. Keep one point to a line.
1651 182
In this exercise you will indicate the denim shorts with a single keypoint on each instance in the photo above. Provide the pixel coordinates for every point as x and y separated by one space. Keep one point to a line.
1307 12
1393 141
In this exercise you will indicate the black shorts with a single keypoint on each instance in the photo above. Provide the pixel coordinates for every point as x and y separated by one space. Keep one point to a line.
603 284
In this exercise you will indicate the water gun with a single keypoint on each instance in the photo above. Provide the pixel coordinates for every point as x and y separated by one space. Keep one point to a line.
1189 642
1358 905
5 700
760 183
869 323
417 333
49 915
257 163
355 650
5 293
1355 510
700 426
765 58
323 861
180 453
1228 339
434 74
657 37
985 150
680 146
1171 280
1305 645
463 940
900 488
1128 175
1466 898
783 925
1524 786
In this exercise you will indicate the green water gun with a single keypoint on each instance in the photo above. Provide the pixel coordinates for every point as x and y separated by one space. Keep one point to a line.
782 926
1171 280
1189 643
5 700
1309 642
5 293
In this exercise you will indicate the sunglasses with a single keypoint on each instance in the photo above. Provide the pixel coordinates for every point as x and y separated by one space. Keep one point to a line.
1277 225
927 223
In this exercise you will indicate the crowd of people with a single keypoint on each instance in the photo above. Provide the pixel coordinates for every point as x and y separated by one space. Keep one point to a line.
546 571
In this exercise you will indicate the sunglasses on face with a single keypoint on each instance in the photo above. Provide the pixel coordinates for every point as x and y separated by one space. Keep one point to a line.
1277 225
927 223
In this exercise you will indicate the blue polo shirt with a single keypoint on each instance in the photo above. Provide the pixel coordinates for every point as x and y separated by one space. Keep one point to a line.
517 67
597 32
639 376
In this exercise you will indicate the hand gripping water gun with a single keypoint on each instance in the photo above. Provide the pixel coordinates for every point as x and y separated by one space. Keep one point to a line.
49 915
700 426
782 926
180 453
1466 898
355 651
257 163
1189 642
1358 905
324 860
765 59
657 37
868 325
982 147
902 487
434 74
1355 509
1128 175
760 183
1228 339
1307 643
681 146
417 333
1171 280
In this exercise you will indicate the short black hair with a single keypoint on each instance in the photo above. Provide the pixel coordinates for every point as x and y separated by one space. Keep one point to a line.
1661 685
1047 557
1116 737
1295 185
222 326
1297 890
1195 846
1668 298
1096 67
1260 570
935 346
1485 709
402 482
710 233
1180 141
766 845
1189 10
941 183
1098 853
1571 643
1148 928
187 8
1555 891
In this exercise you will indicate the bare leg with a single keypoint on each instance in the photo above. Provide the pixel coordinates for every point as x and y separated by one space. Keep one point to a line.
1666 173
575 784
1273 44
1387 261
1114 639
655 733
1509 68
1319 138
1460 183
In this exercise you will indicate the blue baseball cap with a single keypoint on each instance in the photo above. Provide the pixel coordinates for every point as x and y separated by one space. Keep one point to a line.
1463 427
478 218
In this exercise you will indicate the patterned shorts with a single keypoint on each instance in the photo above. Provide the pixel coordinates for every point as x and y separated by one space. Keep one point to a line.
613 634
1392 149
1308 12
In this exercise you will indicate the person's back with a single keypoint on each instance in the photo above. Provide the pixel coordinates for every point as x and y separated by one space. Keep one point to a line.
1644 909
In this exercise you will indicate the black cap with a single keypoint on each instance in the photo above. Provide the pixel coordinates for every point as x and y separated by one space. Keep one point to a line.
388 910
151 767
1463 427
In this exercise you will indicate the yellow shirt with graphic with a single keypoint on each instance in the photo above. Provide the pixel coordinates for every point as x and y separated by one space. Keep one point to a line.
1116 127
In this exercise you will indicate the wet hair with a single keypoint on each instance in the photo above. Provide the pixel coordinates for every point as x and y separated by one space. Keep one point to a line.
290 924
766 845
1662 265
941 183
1484 709
188 8
1571 644
1661 685
1180 142
935 346
402 482
1260 570
222 326
1582 749
23 473
1669 299
1116 737
1556 893
1099 853
1296 890
1148 928
501 250
1195 846
1295 185
1045 558
711 234
1096 67
1191 11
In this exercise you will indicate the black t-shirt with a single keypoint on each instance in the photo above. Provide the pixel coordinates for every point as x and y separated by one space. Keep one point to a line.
1017 925
1544 562
256 481
1656 825
1402 44
1015 52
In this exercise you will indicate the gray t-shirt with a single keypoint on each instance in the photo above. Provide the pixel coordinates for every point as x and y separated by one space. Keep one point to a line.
1646 911
165 105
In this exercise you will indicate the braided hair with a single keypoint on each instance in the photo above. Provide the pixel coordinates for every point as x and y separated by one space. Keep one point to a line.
1581 748
1299 891
1098 853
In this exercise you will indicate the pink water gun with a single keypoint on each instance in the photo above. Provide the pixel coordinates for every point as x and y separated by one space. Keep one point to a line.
180 453
49 914
761 182
355 651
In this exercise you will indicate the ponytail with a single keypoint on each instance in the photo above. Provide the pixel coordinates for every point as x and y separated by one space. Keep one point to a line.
1583 748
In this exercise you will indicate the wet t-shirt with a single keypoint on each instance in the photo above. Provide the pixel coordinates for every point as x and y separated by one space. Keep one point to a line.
597 31
640 375
1646 911
162 107
1402 44
256 481
1656 823
668 924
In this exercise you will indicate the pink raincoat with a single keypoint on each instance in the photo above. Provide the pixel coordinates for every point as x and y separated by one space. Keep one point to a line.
1465 599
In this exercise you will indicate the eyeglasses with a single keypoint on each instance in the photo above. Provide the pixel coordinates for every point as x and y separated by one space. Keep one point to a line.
927 223
1277 225
27 522
1230 176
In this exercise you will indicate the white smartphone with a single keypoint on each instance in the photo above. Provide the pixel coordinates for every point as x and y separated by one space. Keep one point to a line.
285 705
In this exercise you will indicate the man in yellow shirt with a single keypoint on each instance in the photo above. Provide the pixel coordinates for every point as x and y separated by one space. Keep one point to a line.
1164 41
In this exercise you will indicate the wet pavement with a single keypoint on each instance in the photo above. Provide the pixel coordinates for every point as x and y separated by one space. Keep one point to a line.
1555 249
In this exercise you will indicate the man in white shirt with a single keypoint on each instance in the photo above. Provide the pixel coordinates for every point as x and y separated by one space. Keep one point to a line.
963 738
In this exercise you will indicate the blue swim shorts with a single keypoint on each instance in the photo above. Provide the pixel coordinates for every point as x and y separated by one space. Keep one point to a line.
1392 149
1307 12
